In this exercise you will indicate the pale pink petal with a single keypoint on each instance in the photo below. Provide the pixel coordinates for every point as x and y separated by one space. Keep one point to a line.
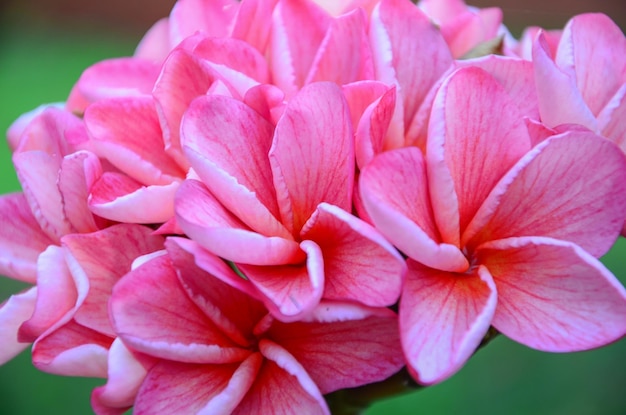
554 296
79 171
230 309
595 47
343 349
394 191
560 101
291 291
22 123
118 197
56 294
298 28
21 239
47 132
103 258
467 152
282 386
359 264
126 132
112 78
13 312
551 192
611 119
253 22
267 100
312 156
124 377
344 55
155 45
227 143
152 314
207 222
408 51
443 318
183 78
212 17
172 387
72 350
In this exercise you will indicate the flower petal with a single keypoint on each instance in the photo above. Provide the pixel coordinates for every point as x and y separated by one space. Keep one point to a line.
443 318
554 296
17 309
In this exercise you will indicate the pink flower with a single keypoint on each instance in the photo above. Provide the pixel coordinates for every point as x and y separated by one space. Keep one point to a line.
218 350
499 234
275 200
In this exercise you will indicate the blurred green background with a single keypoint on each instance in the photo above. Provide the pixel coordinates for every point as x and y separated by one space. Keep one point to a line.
44 46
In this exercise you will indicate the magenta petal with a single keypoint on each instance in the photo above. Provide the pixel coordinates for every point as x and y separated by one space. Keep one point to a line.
152 314
291 291
113 78
227 144
394 191
467 152
13 312
103 258
230 309
126 131
343 349
282 386
443 318
118 197
554 296
312 156
56 294
177 388
72 350
21 239
207 222
570 187
359 264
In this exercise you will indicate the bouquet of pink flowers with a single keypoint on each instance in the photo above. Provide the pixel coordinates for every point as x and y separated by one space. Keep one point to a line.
275 200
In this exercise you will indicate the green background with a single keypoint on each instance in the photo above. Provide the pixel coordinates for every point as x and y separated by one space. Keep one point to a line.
39 65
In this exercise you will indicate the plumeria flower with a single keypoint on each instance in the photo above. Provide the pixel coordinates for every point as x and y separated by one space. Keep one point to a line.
276 200
218 350
498 233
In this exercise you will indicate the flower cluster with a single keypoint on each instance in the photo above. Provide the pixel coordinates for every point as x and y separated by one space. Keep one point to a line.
273 200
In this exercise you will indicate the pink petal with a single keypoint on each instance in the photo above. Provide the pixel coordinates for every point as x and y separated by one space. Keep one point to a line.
173 387
312 156
594 46
119 198
569 187
297 33
267 100
230 309
290 291
282 386
79 171
21 239
227 144
183 78
155 45
554 296
610 120
212 17
253 22
124 377
344 55
126 131
17 309
56 294
23 122
72 350
103 258
47 132
467 152
359 264
343 349
394 190
152 314
443 318
112 78
207 222
560 101
408 51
